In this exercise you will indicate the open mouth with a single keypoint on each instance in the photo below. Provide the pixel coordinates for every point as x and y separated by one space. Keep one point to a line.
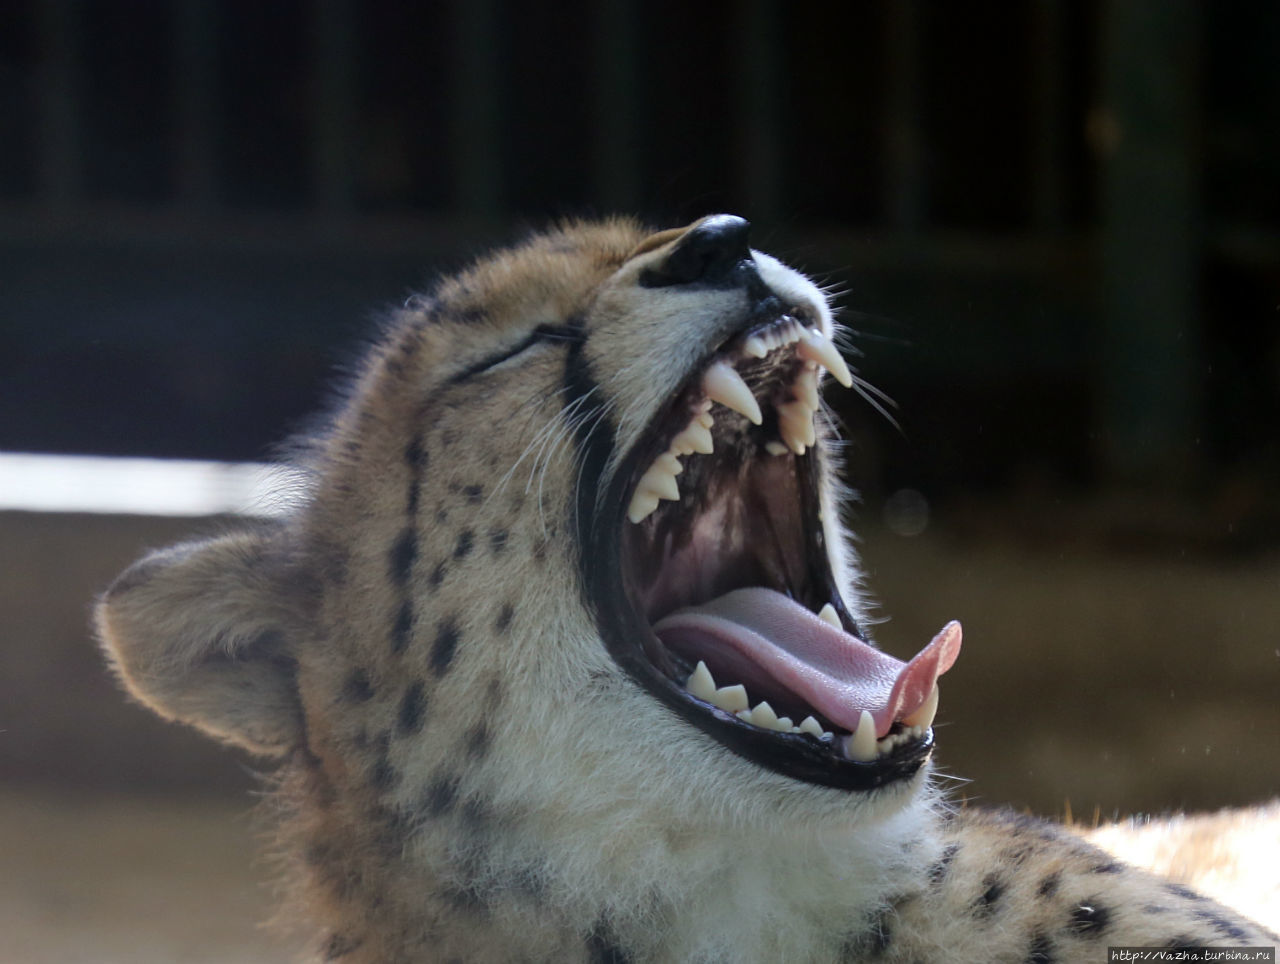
724 604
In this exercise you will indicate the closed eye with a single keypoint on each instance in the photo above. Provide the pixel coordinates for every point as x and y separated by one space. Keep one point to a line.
542 335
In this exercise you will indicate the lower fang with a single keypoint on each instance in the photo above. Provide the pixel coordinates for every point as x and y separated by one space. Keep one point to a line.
860 746
774 447
922 717
828 615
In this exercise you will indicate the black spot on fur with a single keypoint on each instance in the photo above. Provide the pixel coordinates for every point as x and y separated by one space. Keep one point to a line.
603 947
498 540
404 551
1040 951
540 550
879 934
383 776
402 628
1186 893
440 796
938 872
442 650
1107 867
437 575
473 493
412 707
1049 886
465 899
356 688
466 540
988 901
1226 928
503 622
415 455
442 516
477 743
1089 919
340 945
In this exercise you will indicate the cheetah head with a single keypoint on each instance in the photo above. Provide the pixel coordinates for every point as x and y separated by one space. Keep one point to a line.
572 538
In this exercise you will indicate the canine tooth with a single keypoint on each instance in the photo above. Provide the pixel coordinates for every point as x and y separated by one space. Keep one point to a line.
774 447
861 744
815 346
811 726
724 385
731 698
670 464
923 717
828 615
701 683
807 389
660 482
643 502
755 347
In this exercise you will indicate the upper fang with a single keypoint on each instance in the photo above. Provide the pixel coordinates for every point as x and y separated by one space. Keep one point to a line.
724 385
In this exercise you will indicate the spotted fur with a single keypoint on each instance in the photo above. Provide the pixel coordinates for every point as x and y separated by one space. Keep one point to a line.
466 774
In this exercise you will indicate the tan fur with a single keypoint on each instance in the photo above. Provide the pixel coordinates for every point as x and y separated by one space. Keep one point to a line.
466 773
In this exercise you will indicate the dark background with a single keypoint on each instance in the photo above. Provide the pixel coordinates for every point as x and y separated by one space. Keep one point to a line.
1055 227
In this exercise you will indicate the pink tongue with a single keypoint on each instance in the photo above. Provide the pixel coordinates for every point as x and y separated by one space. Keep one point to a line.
761 636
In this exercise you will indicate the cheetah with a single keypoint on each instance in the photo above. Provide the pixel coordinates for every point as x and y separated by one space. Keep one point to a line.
563 655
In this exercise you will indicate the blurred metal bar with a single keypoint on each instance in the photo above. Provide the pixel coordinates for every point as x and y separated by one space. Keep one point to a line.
195 25
904 175
477 144
615 107
1048 116
760 107
333 101
1146 130
61 176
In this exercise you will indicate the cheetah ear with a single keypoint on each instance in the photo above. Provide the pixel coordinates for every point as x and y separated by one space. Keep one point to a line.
201 634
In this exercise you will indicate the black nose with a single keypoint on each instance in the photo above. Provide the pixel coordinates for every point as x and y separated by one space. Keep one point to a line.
707 253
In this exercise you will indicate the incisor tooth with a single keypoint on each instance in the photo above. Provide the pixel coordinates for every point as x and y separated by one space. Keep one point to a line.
815 346
660 482
724 385
701 683
705 419
861 744
642 504
731 698
755 347
828 615
923 717
774 447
